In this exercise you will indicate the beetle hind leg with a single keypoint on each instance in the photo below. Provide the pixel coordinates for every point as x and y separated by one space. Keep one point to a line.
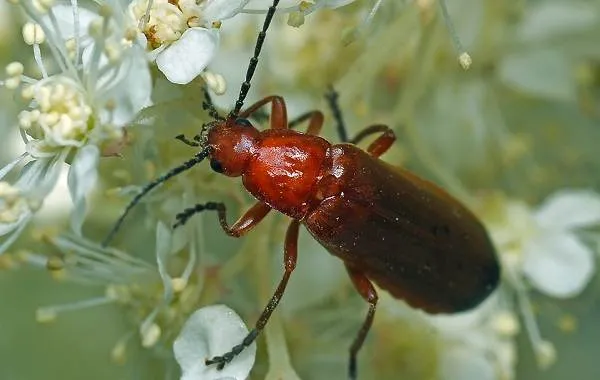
369 294
290 256
381 144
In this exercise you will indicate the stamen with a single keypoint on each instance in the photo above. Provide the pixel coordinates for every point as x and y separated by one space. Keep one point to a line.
463 57
144 20
14 69
150 335
33 34
544 350
49 313
76 37
216 82
37 55
119 352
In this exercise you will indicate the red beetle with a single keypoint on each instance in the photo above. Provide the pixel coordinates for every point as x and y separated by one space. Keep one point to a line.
388 226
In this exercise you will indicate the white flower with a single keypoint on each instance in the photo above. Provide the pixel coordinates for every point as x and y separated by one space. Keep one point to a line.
542 244
209 332
182 35
478 344
101 81
149 290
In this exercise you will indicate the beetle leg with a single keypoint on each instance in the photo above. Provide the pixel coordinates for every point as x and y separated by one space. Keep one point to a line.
290 256
245 223
381 144
315 123
332 99
368 293
278 111
187 141
208 105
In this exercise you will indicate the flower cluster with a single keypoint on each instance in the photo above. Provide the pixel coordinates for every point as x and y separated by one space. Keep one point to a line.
74 114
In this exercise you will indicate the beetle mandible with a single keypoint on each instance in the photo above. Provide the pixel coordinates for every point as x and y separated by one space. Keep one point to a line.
388 226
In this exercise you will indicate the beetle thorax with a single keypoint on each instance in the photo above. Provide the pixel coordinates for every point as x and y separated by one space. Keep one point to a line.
284 169
231 146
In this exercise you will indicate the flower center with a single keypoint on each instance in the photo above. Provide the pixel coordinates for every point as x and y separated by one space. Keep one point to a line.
12 205
60 113
166 20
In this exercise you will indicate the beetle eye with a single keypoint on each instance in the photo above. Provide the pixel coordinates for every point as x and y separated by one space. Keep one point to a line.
243 122
216 166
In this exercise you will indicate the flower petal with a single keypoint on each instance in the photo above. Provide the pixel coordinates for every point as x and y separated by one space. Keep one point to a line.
185 59
83 175
216 10
212 331
558 265
11 165
66 23
569 209
131 90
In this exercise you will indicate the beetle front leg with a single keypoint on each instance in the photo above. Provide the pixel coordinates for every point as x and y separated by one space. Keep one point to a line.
369 294
381 144
290 256
245 223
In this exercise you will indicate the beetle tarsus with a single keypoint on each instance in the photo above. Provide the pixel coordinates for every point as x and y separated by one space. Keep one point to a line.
187 141
352 368
222 360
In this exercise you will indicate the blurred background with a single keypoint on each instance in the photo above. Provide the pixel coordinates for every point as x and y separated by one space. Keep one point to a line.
523 122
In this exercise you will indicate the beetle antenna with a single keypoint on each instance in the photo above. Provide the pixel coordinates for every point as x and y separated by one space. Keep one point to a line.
253 61
148 187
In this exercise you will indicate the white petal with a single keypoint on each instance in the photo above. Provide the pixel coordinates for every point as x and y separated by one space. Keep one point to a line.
551 19
164 238
185 59
11 165
131 90
464 363
216 10
558 265
83 175
15 231
569 209
64 16
209 332
542 73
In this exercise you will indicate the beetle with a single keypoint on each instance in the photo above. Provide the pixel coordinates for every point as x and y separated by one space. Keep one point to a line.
388 226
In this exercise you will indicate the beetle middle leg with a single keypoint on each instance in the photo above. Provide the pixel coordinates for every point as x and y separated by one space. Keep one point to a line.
290 256
381 144
369 294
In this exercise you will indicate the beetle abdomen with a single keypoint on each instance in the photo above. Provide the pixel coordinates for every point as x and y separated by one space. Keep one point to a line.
407 235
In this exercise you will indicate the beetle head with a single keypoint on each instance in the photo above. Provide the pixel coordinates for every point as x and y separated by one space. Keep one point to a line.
231 143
